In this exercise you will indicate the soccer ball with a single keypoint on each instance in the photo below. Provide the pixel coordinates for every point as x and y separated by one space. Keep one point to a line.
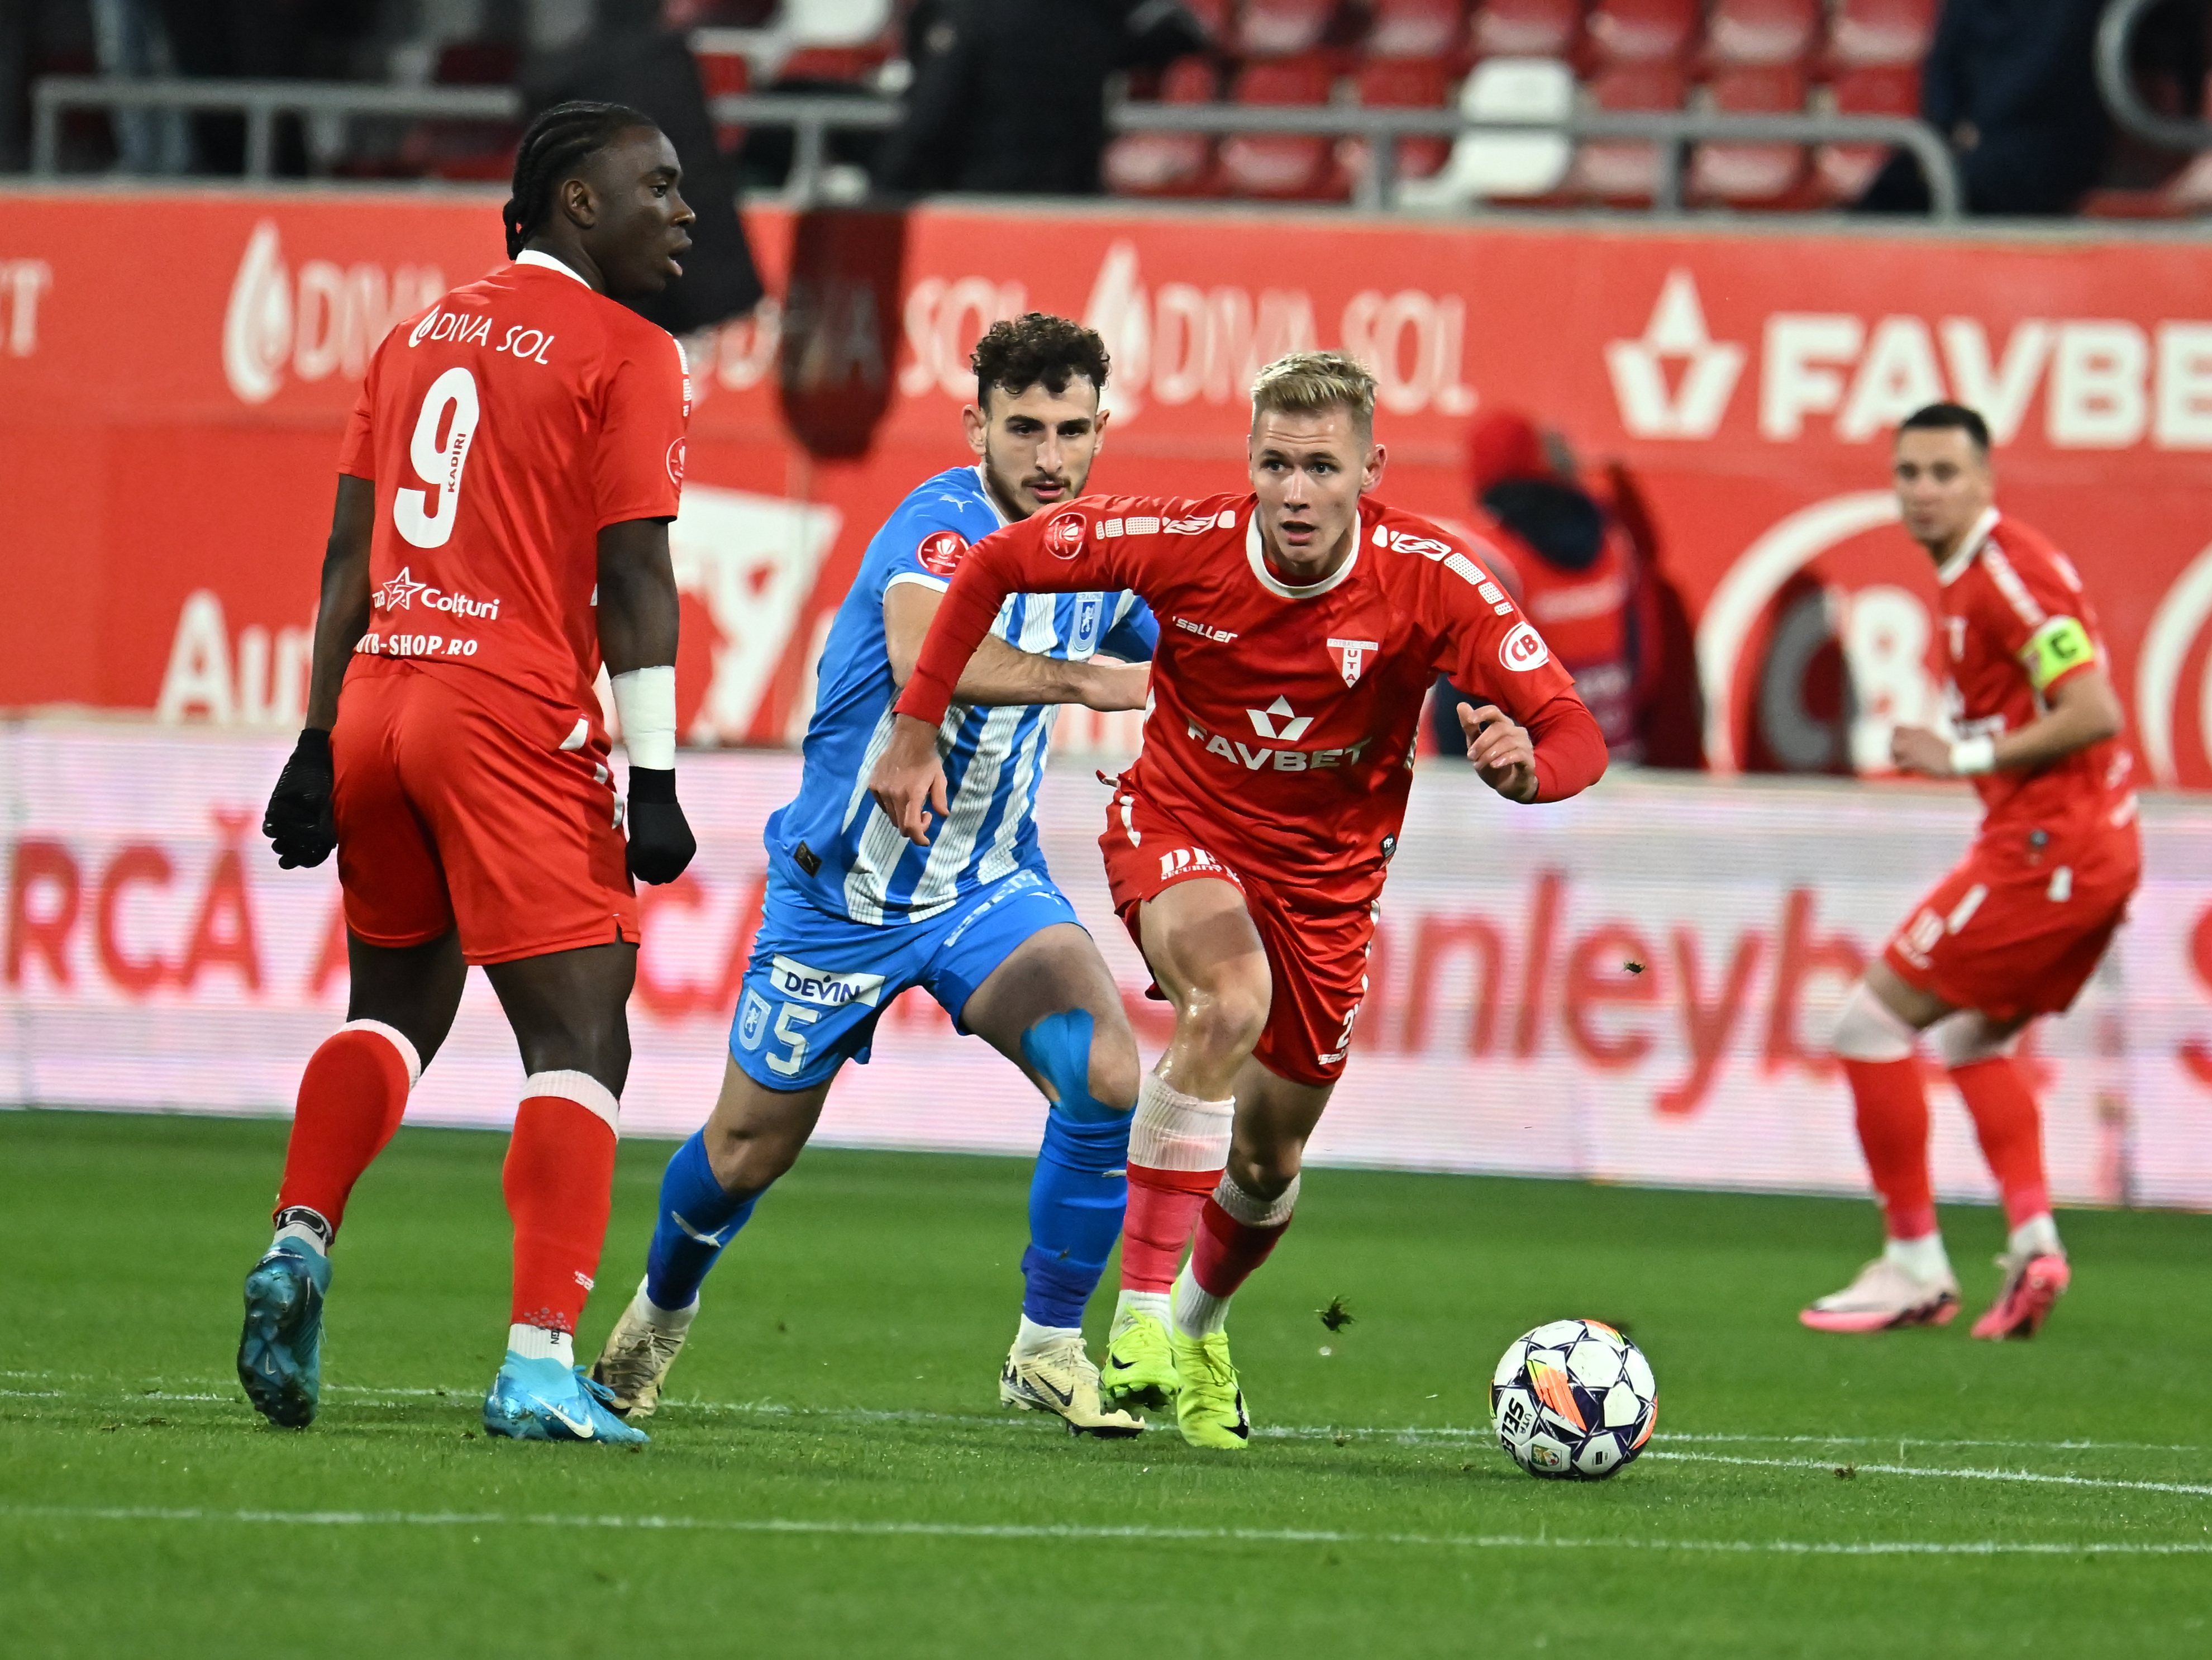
1574 1399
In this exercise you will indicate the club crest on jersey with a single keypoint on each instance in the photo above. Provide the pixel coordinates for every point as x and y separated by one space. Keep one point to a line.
1523 648
1089 609
940 552
676 464
1063 536
1351 658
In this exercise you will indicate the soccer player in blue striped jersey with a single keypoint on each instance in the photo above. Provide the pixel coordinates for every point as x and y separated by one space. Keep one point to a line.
855 914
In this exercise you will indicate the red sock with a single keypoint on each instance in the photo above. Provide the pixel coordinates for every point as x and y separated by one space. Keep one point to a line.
560 1185
1227 1250
351 1097
1892 1115
1164 1206
2011 1133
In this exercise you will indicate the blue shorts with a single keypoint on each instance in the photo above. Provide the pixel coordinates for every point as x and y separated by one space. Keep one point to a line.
817 983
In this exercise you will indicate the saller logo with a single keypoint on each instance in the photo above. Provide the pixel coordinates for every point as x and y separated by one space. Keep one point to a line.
1064 535
1523 648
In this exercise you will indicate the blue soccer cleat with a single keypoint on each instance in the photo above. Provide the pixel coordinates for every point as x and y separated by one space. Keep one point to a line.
280 1352
545 1400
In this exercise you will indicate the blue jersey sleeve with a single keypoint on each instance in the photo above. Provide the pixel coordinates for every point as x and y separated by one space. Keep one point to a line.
926 540
1135 634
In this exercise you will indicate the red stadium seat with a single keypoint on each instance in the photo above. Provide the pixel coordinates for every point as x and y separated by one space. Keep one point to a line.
1751 175
1287 165
1415 28
1642 31
1757 32
1621 170
1281 28
722 75
1866 33
1526 28
1843 171
1409 84
849 64
1167 164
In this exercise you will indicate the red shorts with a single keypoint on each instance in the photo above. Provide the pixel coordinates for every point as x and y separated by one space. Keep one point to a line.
1317 947
2016 930
458 807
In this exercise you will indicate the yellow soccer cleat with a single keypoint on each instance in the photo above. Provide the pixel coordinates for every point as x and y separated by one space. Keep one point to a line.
1210 1405
1059 1378
1140 1369
633 1366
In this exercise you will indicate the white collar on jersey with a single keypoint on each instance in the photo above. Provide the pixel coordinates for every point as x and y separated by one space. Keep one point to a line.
1955 567
532 257
1285 590
983 480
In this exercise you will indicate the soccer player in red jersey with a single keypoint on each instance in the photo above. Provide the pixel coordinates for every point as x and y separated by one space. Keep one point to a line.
2017 928
1301 626
501 529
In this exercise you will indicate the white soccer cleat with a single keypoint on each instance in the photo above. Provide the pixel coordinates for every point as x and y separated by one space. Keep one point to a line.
1884 1298
1059 1378
633 1364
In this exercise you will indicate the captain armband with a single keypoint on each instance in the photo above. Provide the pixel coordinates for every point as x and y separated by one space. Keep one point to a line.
2060 645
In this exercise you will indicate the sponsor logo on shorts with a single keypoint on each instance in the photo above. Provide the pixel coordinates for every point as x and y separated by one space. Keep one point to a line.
941 551
752 1020
1194 861
1523 648
1063 536
826 987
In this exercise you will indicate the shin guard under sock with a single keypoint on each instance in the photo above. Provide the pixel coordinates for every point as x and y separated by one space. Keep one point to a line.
351 1097
2010 1130
1892 1124
559 1180
698 1217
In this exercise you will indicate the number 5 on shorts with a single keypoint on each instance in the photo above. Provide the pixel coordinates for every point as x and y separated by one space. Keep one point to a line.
788 1066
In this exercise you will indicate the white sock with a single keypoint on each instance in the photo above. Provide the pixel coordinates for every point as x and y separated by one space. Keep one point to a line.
304 1234
541 1343
2037 1236
1033 1338
1154 1302
1198 1312
668 1320
1923 1258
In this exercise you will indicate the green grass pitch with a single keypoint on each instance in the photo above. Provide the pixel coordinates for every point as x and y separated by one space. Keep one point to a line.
833 1477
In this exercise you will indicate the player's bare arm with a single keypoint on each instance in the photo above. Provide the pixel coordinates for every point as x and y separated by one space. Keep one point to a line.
2084 710
638 612
999 673
299 823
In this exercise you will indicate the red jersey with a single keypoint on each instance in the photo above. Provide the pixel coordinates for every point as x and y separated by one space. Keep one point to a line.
2017 624
1283 716
504 427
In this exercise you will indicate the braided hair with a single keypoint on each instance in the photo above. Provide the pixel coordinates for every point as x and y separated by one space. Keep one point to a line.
556 142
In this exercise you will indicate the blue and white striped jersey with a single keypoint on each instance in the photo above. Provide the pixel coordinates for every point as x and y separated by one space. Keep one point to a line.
833 842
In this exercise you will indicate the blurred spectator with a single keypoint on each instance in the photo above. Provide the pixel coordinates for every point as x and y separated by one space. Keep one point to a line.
627 58
1583 580
1009 96
134 45
2012 84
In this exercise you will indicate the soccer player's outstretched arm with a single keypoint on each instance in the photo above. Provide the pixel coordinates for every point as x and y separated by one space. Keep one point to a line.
909 780
999 673
637 613
299 824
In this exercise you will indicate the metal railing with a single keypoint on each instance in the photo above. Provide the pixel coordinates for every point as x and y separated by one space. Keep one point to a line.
2114 31
812 118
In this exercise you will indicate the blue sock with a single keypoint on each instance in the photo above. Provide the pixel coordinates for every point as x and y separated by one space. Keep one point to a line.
1081 1184
698 1217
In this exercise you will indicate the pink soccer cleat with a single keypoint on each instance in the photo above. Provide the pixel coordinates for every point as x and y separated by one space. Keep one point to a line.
2033 1284
1883 1298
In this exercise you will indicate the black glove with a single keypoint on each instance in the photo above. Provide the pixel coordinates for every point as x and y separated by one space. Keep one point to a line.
299 824
661 840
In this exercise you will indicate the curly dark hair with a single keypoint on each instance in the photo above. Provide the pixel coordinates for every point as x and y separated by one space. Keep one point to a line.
557 140
1037 348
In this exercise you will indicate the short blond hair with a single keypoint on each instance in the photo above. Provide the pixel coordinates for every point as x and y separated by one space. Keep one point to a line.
1314 382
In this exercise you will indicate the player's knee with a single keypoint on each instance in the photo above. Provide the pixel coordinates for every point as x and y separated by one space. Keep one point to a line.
1116 1071
745 1158
1266 1173
1227 1021
1091 1066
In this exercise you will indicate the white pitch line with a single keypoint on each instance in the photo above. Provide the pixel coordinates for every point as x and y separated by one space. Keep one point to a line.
2195 1489
1080 1533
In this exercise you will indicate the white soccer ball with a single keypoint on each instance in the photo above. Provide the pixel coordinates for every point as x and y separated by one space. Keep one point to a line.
1573 1399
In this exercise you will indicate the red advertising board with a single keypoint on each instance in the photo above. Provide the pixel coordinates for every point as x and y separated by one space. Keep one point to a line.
174 369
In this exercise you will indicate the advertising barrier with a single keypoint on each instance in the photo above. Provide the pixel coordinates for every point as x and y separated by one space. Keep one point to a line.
1634 986
169 421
